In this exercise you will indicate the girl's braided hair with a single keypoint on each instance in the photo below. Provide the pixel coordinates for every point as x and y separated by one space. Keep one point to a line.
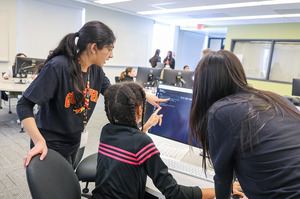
121 101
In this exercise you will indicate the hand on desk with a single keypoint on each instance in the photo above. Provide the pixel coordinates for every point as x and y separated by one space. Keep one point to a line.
235 190
5 77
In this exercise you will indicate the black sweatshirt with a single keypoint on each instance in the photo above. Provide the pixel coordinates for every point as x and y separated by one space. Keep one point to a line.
271 169
58 121
126 156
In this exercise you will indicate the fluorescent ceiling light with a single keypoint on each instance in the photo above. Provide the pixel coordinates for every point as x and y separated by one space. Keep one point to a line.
220 6
202 21
110 1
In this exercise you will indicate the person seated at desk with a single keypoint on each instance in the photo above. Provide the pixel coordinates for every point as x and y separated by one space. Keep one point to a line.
246 131
186 68
127 155
10 70
9 73
127 75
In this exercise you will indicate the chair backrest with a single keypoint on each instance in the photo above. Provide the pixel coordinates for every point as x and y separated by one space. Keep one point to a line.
52 177
78 157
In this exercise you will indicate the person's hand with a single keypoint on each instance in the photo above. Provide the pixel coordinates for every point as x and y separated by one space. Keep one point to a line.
33 76
153 120
235 189
154 100
39 147
5 77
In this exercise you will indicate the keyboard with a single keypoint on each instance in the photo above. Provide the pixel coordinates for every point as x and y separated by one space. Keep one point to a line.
189 169
171 151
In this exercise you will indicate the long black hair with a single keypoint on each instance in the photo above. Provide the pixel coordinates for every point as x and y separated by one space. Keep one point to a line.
91 32
121 101
153 59
220 74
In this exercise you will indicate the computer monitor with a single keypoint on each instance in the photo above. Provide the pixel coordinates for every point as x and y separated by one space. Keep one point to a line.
296 87
160 65
26 65
179 78
147 77
176 113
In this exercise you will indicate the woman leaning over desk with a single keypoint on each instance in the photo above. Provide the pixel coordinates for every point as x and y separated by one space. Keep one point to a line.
252 133
67 89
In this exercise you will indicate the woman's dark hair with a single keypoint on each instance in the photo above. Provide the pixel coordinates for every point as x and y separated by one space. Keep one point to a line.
220 74
121 101
169 56
153 59
124 73
91 32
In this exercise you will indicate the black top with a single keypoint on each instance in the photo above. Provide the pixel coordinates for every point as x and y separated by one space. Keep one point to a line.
272 168
126 156
171 62
157 59
57 119
127 79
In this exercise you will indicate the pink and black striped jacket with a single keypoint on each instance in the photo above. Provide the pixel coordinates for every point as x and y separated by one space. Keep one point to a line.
126 156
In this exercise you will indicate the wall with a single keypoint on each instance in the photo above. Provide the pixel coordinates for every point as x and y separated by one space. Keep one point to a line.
265 31
10 6
133 33
40 30
189 51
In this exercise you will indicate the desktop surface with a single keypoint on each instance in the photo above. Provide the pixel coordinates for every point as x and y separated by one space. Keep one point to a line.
191 157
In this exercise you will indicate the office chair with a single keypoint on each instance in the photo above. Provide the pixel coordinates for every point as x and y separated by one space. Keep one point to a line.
78 157
52 177
86 170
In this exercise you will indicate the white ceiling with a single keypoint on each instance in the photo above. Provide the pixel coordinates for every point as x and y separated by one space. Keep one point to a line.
189 20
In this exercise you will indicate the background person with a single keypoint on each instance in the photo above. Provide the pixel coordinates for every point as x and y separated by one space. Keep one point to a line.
156 58
10 70
127 75
205 51
186 68
169 60
246 131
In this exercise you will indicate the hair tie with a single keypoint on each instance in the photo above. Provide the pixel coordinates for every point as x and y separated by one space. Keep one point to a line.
76 34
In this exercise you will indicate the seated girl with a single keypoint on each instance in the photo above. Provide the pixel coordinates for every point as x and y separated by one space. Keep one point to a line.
127 155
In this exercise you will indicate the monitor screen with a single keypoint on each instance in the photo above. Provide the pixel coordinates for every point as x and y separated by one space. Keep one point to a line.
147 75
296 87
176 113
25 65
179 78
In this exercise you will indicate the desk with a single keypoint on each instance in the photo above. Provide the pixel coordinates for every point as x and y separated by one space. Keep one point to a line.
191 157
10 85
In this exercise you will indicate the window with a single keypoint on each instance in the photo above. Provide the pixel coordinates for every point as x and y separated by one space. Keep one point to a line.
216 44
271 60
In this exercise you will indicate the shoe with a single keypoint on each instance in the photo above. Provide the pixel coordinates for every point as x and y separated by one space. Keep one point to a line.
4 96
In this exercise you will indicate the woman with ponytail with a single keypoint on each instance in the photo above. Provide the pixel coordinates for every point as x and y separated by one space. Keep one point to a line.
127 75
67 90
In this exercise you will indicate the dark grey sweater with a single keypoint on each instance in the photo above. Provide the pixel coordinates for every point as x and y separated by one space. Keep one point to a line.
272 168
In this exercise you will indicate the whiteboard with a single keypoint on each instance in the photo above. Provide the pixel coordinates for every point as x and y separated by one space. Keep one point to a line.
4 35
